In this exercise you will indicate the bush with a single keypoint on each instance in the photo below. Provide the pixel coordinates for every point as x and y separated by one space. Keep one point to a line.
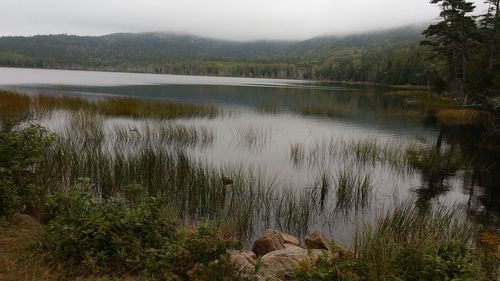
22 151
117 236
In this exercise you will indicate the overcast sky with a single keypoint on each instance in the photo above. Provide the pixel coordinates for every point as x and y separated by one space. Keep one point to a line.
227 19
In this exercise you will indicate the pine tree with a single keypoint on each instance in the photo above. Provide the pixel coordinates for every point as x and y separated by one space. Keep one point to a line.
452 38
490 27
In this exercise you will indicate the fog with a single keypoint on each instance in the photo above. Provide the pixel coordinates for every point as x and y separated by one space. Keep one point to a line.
225 19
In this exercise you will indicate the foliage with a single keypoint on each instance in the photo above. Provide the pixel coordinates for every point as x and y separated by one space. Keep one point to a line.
115 236
22 151
464 50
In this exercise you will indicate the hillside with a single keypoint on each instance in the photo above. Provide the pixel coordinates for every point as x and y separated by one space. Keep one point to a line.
369 57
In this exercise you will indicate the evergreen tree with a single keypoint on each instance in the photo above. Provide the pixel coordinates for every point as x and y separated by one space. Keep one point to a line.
490 27
452 39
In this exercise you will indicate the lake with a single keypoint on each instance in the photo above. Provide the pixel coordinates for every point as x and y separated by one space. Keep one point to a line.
347 145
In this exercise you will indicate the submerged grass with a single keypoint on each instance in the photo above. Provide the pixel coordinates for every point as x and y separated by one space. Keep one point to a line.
319 111
360 151
254 137
352 189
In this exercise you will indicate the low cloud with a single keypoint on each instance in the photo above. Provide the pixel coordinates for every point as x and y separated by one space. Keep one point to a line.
227 19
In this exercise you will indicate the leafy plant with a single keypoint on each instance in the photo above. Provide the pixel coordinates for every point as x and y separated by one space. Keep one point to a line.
22 151
112 236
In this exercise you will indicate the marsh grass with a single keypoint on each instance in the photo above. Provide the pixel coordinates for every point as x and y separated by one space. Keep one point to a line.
406 93
14 106
352 189
318 111
432 102
166 133
113 107
361 151
253 137
134 108
268 109
296 154
193 190
407 113
462 116
417 243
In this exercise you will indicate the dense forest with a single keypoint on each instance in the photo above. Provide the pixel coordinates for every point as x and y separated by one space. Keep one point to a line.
391 56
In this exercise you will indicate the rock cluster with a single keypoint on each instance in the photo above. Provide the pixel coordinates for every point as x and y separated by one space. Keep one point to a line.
279 253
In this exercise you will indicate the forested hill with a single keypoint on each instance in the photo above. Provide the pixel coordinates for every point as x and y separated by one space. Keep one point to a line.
391 56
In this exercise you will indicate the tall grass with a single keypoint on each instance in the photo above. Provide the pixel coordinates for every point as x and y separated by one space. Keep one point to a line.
462 116
254 137
296 154
13 106
153 158
353 189
164 132
415 243
115 107
360 151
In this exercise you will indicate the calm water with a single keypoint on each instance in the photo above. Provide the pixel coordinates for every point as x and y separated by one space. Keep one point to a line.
265 119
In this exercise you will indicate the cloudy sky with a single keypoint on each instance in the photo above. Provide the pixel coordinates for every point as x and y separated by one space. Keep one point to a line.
228 19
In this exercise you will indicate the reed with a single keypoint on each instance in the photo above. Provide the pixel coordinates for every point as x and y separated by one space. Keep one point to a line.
352 190
253 137
359 151
113 107
318 111
462 116
14 106
296 154
192 189
408 241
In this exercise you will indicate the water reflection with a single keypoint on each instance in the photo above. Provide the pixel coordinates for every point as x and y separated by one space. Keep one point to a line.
331 152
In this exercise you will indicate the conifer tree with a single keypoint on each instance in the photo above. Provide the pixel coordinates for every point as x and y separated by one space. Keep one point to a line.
452 39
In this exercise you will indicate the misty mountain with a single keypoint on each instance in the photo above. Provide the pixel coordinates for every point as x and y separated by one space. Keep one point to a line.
188 54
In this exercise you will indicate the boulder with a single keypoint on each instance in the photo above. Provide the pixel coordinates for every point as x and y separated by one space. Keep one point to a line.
316 254
243 262
317 240
279 265
273 240
290 239
344 252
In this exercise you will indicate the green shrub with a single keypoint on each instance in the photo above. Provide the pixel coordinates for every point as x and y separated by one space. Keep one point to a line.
116 236
22 151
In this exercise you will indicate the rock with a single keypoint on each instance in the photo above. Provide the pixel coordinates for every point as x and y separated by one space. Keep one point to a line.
279 265
316 254
344 252
243 262
289 239
271 240
317 240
